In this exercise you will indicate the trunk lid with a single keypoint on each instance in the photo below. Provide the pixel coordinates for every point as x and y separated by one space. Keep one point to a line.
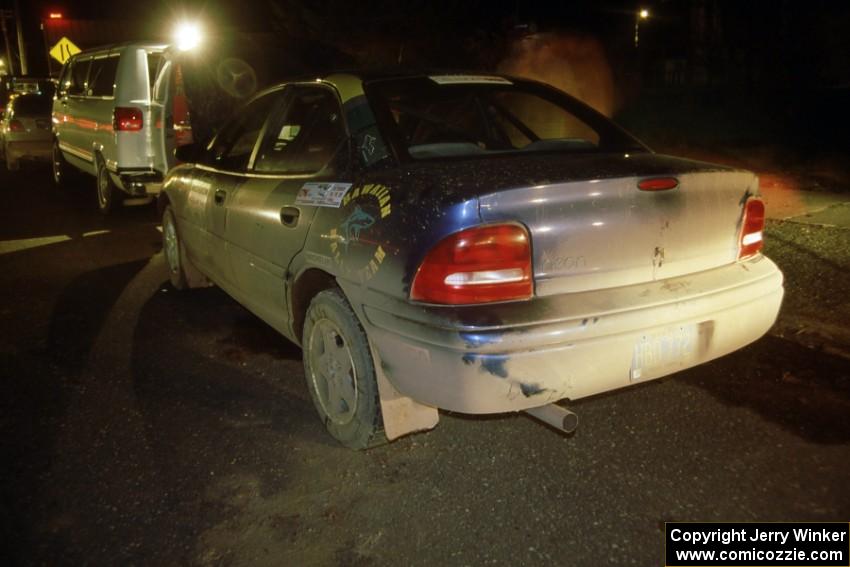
598 230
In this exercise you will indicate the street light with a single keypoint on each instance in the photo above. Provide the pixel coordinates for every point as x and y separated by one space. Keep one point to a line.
642 14
187 35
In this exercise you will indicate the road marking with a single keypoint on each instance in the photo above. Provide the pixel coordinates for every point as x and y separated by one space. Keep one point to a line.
9 246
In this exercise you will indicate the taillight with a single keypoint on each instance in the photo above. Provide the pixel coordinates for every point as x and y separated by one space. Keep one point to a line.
127 119
477 265
16 126
751 240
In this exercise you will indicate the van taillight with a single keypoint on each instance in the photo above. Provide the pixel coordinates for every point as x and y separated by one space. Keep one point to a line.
16 126
752 229
127 119
477 265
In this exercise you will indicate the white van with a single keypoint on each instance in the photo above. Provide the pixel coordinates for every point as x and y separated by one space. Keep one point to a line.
104 125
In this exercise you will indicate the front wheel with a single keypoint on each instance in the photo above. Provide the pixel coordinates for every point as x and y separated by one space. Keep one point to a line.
108 195
340 373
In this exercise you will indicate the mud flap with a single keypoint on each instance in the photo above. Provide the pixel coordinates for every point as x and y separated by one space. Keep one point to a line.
402 415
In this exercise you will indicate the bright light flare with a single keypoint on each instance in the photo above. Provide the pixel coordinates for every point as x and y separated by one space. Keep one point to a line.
644 14
55 15
187 35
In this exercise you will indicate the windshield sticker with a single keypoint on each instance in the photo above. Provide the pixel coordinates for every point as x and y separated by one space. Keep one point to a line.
464 79
322 194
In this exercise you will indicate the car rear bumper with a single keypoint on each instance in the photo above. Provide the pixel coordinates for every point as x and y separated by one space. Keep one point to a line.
513 356
40 149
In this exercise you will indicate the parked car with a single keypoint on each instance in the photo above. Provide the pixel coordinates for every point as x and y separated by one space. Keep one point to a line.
103 122
475 243
25 129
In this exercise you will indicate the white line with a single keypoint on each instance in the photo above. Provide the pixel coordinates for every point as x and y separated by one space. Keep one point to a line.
95 233
8 246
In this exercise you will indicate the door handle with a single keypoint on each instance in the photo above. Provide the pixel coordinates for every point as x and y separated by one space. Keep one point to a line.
289 216
219 196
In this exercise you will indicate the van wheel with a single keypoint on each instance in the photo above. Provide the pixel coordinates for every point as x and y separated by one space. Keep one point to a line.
108 195
340 374
61 170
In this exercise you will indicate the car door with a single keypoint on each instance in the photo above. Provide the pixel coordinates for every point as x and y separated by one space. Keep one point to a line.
303 142
74 133
218 178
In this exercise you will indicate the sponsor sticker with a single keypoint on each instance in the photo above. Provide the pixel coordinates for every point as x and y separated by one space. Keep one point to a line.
465 79
322 194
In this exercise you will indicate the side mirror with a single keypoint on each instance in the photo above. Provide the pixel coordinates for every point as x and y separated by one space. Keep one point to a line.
188 153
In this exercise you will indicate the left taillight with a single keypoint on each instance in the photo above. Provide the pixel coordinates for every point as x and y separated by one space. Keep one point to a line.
127 119
751 239
478 265
16 126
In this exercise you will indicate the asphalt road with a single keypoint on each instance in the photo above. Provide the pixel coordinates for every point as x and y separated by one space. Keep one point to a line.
144 426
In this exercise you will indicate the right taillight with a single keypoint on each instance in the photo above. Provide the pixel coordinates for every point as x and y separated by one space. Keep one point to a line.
752 229
477 265
127 119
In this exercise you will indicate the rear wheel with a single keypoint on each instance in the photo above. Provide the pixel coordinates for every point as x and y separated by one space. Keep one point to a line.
340 374
61 170
173 249
108 195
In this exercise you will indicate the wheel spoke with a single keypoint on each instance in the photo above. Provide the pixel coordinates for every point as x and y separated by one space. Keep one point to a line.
334 396
333 371
346 387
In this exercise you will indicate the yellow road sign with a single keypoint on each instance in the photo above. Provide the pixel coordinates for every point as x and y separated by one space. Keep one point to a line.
63 50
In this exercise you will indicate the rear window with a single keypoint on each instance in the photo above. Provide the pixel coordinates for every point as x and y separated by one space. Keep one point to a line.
32 106
153 65
458 116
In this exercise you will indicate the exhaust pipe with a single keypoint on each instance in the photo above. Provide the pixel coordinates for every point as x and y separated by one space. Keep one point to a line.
558 417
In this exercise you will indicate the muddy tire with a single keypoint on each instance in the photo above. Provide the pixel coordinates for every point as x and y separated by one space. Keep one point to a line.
340 373
108 195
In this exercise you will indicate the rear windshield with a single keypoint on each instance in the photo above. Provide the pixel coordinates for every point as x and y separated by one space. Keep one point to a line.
461 116
32 105
153 65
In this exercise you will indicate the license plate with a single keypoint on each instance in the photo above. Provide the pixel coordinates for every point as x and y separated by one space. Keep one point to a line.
664 350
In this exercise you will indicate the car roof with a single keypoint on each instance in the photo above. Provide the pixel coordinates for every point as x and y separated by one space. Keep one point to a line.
396 73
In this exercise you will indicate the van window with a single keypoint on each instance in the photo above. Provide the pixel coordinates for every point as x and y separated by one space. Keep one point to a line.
79 74
102 76
160 92
65 79
153 66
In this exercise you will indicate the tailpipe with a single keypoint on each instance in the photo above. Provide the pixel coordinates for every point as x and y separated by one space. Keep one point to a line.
556 416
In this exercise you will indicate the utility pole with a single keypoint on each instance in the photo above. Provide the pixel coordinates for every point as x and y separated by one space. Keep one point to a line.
3 15
21 47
